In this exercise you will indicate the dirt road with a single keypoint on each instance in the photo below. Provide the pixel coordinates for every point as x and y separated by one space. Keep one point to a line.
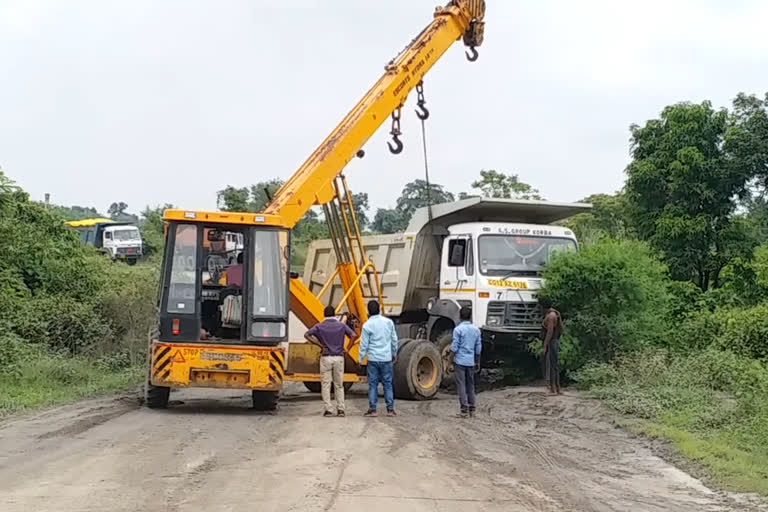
524 452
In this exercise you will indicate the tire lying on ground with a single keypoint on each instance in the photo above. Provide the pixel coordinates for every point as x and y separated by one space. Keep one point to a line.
314 387
418 371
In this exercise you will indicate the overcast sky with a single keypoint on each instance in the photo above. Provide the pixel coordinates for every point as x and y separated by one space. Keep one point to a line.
149 102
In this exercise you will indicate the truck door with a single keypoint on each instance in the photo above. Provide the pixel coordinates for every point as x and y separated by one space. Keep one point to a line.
457 273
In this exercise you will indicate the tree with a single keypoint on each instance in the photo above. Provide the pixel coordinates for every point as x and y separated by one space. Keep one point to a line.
388 221
116 210
262 192
152 229
361 209
746 141
682 189
508 186
75 212
608 219
233 199
417 195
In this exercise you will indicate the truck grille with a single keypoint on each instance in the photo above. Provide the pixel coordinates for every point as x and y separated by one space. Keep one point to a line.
517 315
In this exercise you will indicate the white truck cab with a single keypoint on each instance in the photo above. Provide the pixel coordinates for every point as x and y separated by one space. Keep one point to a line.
122 242
495 269
487 254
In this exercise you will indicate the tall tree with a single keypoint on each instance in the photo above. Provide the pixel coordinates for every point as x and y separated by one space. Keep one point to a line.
234 199
681 190
500 185
417 195
116 210
361 209
608 219
152 230
388 220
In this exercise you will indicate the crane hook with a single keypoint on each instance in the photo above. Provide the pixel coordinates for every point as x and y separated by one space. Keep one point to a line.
471 54
398 147
424 113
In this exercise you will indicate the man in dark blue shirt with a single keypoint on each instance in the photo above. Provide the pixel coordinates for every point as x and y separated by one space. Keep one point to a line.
329 335
466 348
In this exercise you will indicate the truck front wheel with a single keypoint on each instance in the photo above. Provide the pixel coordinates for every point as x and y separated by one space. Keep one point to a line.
418 371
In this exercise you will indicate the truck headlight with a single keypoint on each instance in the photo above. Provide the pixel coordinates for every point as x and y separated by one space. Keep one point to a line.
495 320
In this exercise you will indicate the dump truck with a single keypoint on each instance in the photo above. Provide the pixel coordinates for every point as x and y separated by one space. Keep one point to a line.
487 254
119 240
224 324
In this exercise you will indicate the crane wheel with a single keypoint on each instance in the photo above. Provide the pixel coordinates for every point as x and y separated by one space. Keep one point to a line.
265 400
418 371
157 396
315 387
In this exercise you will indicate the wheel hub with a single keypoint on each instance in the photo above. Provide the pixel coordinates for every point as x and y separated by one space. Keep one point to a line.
426 373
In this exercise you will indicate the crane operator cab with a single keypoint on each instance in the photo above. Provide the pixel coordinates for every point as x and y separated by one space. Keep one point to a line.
223 308
217 293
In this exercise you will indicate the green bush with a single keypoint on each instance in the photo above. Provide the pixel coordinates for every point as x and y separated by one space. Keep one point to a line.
14 352
743 331
614 297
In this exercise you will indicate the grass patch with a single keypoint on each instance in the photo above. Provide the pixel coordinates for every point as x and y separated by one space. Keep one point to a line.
48 380
711 407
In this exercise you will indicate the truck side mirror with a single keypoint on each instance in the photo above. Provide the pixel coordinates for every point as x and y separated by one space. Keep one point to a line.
457 253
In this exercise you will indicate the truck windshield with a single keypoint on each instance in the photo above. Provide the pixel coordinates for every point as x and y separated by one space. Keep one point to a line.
126 235
510 255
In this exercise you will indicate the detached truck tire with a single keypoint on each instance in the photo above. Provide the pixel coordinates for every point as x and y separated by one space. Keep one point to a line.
418 371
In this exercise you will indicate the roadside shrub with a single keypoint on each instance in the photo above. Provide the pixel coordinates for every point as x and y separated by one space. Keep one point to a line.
128 304
614 297
709 389
61 323
14 351
743 331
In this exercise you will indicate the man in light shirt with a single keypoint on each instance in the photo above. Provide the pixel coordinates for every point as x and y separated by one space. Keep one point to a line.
466 347
379 343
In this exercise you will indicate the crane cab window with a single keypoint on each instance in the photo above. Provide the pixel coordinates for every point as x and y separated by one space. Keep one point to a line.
226 284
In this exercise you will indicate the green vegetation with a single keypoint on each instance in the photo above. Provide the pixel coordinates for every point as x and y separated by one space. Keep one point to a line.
666 305
72 322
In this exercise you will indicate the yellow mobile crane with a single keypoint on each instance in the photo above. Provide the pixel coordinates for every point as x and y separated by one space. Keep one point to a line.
223 319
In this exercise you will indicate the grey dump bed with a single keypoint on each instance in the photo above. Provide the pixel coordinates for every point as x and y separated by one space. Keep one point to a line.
409 262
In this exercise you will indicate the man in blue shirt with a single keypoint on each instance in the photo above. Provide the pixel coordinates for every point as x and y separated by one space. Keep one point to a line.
466 348
379 343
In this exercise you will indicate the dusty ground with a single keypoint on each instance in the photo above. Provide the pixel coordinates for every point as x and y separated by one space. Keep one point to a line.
524 452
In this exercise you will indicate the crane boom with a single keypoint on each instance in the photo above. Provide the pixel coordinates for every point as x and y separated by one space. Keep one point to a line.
311 184
315 182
